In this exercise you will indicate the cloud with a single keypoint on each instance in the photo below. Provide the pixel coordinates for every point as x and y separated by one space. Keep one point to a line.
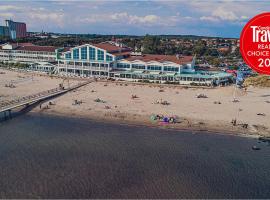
209 18
7 15
44 15
9 7
225 15
232 11
121 17
222 14
147 19
32 15
124 19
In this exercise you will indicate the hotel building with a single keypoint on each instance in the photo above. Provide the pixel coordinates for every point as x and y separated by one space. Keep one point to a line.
111 60
42 58
107 59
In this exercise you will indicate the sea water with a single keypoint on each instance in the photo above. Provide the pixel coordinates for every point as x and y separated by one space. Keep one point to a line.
44 156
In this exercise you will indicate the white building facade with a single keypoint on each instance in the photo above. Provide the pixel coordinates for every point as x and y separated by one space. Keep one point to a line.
27 53
88 60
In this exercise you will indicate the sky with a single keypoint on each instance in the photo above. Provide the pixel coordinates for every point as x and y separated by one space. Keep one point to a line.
222 18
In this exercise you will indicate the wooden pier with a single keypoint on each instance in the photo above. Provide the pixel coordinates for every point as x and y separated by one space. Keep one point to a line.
7 106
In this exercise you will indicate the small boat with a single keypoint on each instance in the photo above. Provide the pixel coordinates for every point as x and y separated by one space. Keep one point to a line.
255 148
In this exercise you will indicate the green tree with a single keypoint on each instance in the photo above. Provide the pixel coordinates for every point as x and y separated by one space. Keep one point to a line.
150 44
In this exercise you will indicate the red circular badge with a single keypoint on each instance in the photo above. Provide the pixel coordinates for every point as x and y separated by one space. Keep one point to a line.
255 43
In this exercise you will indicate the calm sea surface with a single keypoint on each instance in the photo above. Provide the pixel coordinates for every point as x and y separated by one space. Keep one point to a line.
55 157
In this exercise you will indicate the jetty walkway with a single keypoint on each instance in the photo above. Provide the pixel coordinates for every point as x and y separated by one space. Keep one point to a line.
7 106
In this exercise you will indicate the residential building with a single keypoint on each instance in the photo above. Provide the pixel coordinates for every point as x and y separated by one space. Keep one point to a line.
13 30
16 29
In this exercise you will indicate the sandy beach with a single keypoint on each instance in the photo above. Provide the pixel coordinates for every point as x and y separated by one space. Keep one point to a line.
26 83
213 113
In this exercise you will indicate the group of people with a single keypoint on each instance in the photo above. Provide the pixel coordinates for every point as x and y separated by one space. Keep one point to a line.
162 118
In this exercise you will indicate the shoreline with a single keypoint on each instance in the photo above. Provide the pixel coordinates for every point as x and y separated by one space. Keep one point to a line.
180 126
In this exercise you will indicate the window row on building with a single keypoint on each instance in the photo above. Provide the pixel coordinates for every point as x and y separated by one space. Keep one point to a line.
26 57
27 52
154 68
83 64
147 67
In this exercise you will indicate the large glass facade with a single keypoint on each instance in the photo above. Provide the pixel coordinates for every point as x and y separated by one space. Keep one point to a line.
171 69
75 53
109 58
154 67
84 53
92 53
100 55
